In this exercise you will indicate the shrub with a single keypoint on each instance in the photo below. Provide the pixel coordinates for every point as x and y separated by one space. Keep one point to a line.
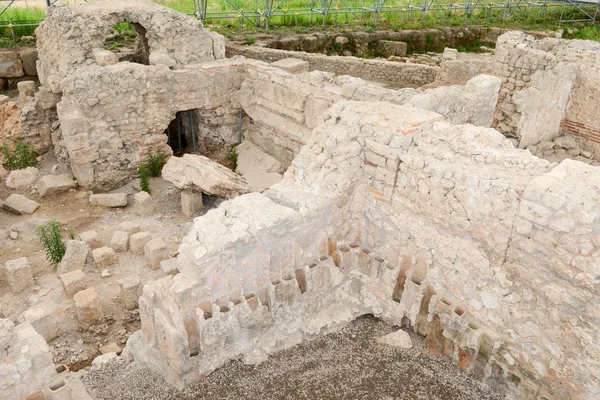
154 162
233 158
20 157
144 179
52 241
250 40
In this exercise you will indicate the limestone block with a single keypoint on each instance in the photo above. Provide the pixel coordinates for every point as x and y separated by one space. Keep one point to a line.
292 65
260 181
75 256
91 238
131 290
18 274
10 65
137 241
160 58
20 204
29 59
156 251
143 205
191 202
104 257
169 266
120 241
109 200
43 321
203 174
105 57
49 185
26 90
342 40
391 48
88 307
129 227
22 178
110 348
73 281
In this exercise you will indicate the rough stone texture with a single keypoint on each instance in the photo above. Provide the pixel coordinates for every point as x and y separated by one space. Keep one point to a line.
142 204
399 338
68 36
25 362
194 172
169 266
20 204
10 65
88 307
109 200
156 251
21 178
457 68
26 90
120 241
73 282
129 227
91 238
29 59
75 256
251 158
49 185
104 257
138 240
391 48
191 202
131 289
18 274
43 321
292 65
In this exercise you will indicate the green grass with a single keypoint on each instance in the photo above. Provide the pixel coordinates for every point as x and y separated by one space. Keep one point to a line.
289 17
20 156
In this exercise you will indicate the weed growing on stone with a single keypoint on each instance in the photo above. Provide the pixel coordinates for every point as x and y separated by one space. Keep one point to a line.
250 40
233 158
144 179
52 242
19 157
154 162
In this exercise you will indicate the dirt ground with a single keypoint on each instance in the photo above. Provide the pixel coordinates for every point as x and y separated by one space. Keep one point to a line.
348 364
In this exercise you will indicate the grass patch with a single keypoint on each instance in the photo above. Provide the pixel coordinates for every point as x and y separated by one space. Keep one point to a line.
19 157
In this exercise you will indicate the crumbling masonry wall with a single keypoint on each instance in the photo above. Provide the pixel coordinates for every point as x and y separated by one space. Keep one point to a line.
548 87
448 225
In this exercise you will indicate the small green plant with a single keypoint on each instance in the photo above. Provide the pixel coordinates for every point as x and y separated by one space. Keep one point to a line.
114 47
154 162
52 241
19 157
72 236
369 29
233 158
144 179
250 40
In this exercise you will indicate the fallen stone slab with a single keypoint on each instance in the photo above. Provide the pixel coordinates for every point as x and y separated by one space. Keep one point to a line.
21 178
261 181
109 200
49 185
253 158
399 339
18 274
20 204
10 65
193 172
104 257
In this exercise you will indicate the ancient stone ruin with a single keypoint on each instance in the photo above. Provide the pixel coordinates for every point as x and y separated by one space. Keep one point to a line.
466 209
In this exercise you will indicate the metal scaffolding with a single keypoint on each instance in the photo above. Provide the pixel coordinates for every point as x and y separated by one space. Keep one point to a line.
264 13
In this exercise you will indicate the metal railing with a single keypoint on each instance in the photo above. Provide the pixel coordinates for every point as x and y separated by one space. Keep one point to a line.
266 13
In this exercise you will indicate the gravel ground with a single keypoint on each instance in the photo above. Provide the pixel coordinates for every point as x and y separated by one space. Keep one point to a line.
348 364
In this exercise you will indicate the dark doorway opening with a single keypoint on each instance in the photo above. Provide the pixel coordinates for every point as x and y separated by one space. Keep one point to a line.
128 41
181 133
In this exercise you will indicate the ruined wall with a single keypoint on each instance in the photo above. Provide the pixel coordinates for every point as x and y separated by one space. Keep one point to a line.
27 361
110 116
400 75
547 87
68 36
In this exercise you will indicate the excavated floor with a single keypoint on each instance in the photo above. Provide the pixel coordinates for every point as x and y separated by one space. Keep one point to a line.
348 364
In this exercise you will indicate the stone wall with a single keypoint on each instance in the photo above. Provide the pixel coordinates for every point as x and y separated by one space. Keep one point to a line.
69 37
400 75
17 65
27 363
544 83
484 248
